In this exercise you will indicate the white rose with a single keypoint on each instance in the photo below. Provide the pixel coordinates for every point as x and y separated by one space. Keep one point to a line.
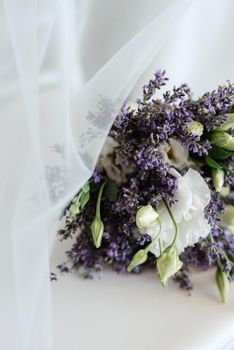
192 197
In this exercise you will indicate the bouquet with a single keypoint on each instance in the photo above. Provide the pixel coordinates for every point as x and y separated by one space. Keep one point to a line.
162 193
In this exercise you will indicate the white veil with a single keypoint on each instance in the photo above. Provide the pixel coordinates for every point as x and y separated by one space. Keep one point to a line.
64 74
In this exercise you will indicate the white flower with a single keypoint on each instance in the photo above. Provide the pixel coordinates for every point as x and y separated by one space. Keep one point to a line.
174 153
146 216
192 197
113 165
108 147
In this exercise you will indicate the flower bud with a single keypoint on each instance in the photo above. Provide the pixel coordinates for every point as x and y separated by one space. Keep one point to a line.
97 229
195 128
228 124
168 264
146 216
218 179
223 140
225 191
223 284
139 258
227 219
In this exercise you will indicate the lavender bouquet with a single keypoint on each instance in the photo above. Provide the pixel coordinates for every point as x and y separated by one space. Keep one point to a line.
162 193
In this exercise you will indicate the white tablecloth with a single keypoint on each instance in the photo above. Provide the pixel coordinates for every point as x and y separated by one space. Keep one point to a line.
134 312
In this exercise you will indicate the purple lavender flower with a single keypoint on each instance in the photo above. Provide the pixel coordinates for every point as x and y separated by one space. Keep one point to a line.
96 176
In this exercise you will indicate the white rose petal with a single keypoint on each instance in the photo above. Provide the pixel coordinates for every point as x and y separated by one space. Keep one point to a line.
192 197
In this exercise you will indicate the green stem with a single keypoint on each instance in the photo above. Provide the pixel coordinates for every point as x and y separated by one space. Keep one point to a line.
174 222
160 247
98 214
155 238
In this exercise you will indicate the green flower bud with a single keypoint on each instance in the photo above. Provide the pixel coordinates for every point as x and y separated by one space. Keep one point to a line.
225 191
228 216
168 264
223 140
223 284
139 258
218 179
227 219
146 216
195 128
228 124
97 229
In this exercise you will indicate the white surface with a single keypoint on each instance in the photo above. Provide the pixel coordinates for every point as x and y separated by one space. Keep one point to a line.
129 312
102 47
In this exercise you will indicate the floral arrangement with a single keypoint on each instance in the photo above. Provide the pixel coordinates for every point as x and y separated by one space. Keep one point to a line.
161 195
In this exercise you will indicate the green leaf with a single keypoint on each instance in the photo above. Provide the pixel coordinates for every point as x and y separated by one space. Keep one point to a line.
219 153
80 200
74 210
212 163
86 187
84 199
111 190
231 258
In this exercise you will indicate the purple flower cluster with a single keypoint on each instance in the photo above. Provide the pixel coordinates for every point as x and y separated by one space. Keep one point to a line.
140 132
211 109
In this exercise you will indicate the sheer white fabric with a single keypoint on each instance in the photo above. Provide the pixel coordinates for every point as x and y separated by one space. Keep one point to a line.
66 68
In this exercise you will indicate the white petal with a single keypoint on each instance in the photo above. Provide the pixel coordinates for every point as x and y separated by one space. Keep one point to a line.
179 152
108 146
198 187
191 231
183 199
192 197
165 240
